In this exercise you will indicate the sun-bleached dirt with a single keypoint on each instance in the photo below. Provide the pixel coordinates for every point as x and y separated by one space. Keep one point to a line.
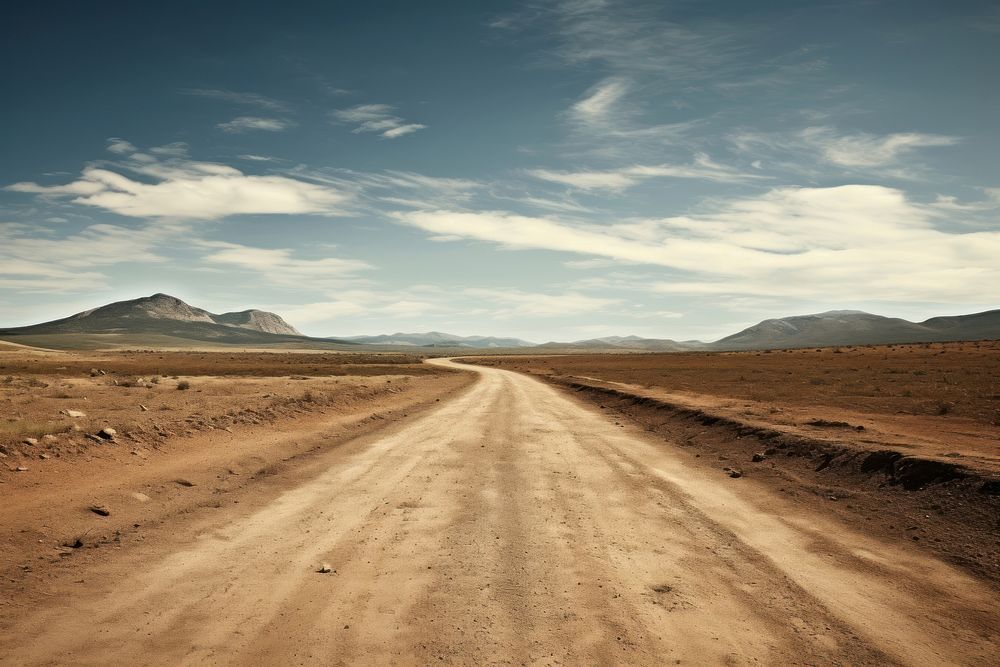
511 524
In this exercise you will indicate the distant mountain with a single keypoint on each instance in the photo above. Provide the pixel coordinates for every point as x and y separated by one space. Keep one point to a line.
438 339
162 320
632 343
165 315
852 327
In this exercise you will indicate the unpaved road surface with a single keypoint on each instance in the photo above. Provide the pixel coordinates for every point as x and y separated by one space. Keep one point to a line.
512 525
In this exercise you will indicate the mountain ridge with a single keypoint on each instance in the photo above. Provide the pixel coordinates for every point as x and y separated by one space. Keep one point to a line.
439 339
162 316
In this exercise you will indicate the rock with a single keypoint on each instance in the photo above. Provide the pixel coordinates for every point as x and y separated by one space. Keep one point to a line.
21 469
184 482
100 509
75 414
91 436
735 473
44 456
141 497
758 457
49 438
107 433
30 441
325 568
143 408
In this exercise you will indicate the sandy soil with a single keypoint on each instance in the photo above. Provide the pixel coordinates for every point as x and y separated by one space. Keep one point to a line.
511 524
934 400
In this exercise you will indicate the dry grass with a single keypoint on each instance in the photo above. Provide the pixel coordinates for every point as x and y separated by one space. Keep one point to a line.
138 391
940 379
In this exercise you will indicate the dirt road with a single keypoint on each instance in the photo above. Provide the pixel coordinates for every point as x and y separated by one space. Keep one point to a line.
512 525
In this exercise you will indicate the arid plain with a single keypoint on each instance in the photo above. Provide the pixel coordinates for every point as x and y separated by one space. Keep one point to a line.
833 506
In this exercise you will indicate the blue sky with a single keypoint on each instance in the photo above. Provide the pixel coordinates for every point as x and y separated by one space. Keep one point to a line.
547 170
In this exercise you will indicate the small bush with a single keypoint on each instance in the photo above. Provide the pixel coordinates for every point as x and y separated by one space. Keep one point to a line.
183 384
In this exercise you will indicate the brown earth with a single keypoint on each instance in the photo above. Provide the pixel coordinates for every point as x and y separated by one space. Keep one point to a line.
868 443
510 523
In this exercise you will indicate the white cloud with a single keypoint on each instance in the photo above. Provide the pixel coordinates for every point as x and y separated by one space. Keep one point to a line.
702 167
250 123
847 243
402 130
855 151
378 118
190 190
69 263
247 99
870 150
514 303
597 107
587 180
405 188
120 146
279 266
175 150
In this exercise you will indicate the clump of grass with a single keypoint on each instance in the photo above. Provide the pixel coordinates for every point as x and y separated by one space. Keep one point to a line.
183 384
943 408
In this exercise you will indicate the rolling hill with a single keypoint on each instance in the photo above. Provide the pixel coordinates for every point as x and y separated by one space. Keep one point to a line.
162 320
852 327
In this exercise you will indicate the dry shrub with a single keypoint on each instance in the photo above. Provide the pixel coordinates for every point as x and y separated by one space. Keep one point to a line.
183 384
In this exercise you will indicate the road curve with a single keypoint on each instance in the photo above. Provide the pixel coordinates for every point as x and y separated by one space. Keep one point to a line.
512 525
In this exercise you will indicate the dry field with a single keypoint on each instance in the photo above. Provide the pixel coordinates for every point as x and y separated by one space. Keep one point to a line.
950 380
335 509
185 427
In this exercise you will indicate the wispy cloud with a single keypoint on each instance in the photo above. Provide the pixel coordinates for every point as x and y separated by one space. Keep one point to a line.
280 266
789 241
597 107
377 118
250 123
120 146
702 167
860 150
73 263
186 189
246 99
870 150
505 303
395 186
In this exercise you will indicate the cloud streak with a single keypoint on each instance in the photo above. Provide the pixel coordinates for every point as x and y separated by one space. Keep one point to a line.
245 99
376 118
185 189
702 168
250 123
789 241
